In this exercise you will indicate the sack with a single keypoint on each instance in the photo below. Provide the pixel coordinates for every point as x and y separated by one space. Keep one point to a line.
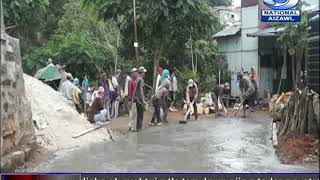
200 108
208 101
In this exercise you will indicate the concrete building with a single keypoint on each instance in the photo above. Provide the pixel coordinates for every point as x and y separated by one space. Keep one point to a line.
254 43
241 51
228 15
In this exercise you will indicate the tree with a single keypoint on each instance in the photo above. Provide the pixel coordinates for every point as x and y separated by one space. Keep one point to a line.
24 19
81 42
293 38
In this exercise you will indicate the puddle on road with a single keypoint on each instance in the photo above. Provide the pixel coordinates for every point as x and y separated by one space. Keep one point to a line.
222 145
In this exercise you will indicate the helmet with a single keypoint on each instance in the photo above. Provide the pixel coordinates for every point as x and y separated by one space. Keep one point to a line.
227 84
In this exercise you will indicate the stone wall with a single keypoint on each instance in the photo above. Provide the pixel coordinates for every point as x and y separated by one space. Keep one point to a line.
17 131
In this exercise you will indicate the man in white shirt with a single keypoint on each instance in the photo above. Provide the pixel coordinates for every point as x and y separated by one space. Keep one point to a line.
158 78
115 96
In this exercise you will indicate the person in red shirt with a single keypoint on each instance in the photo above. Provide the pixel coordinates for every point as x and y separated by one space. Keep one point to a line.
132 84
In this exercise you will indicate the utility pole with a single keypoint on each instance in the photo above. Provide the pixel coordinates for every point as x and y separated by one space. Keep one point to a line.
135 34
2 18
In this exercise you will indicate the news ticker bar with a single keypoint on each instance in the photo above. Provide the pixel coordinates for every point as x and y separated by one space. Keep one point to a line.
169 176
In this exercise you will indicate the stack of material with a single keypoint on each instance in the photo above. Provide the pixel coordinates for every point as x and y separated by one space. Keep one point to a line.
206 106
301 114
278 105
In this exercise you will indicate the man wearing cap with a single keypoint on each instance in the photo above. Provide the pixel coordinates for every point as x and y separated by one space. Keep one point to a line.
132 106
247 91
138 97
191 97
217 92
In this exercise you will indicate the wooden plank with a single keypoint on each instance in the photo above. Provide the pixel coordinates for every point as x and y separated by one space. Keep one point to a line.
90 130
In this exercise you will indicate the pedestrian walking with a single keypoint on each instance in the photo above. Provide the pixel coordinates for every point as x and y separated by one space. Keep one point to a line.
191 97
173 90
139 97
217 93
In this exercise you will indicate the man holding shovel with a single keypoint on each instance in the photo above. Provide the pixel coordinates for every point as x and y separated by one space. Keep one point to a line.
191 97
139 98
247 91
217 92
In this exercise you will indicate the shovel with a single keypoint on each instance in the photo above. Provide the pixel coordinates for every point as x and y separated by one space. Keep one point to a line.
238 110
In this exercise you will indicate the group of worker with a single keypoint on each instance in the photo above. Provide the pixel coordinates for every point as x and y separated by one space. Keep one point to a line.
103 103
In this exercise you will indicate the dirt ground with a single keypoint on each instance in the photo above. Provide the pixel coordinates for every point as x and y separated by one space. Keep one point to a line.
303 148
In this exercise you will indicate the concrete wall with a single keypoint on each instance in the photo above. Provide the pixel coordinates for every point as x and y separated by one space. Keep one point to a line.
17 131
230 46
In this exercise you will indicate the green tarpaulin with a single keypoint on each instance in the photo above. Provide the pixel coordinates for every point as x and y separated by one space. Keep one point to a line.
49 73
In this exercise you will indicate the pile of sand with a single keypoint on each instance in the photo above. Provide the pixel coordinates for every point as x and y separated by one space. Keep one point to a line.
56 121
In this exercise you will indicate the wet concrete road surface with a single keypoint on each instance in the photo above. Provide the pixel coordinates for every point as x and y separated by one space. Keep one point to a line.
219 145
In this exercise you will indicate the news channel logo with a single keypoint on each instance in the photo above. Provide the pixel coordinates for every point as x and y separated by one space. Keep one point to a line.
281 11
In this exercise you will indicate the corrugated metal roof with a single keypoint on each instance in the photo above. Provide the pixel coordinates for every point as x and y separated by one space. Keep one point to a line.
271 31
228 31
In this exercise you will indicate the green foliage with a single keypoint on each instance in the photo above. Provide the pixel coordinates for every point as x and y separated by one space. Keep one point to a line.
25 14
80 43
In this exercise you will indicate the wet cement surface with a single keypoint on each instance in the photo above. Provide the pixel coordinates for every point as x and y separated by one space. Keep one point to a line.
219 145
